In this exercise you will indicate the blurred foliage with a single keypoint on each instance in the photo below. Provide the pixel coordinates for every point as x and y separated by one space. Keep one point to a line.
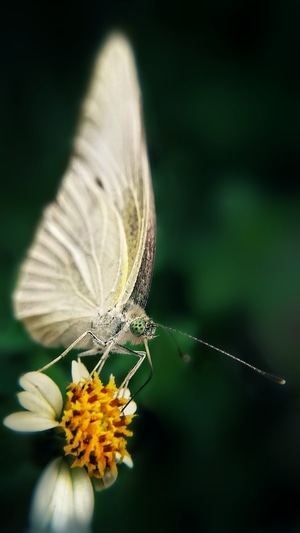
215 444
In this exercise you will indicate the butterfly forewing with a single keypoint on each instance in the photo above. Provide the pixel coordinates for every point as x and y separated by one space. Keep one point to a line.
94 247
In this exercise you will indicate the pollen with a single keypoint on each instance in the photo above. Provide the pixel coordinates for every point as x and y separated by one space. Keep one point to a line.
95 427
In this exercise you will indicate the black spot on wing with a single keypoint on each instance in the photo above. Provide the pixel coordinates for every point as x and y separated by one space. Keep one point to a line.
98 182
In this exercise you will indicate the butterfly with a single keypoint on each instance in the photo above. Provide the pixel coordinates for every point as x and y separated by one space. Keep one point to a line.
86 278
87 275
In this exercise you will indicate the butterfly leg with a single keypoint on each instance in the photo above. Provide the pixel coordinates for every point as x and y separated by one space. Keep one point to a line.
141 357
73 345
106 353
94 351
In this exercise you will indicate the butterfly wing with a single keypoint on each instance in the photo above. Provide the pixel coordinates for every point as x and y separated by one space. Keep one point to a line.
94 247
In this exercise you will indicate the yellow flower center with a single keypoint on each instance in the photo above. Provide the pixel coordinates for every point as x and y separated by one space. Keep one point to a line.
95 428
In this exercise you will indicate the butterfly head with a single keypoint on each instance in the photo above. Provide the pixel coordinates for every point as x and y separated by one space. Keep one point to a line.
143 327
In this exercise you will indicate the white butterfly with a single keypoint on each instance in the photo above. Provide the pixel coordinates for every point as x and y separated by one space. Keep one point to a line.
86 278
87 275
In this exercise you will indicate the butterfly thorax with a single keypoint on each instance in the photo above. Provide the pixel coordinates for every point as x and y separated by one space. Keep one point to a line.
121 325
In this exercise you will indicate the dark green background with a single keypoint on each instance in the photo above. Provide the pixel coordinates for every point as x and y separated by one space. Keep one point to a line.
215 444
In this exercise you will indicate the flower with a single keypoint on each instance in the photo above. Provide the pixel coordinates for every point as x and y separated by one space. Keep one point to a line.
93 423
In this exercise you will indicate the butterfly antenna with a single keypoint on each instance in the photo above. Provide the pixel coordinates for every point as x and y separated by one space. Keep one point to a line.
276 379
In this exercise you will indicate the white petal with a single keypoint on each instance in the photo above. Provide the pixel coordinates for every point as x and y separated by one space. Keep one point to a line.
40 384
108 479
126 459
123 393
130 408
63 500
83 495
30 422
36 403
79 372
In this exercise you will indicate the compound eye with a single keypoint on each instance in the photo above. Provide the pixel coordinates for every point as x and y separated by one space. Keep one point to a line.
138 326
